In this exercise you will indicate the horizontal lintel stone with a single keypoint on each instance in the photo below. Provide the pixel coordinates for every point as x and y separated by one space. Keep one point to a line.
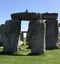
33 16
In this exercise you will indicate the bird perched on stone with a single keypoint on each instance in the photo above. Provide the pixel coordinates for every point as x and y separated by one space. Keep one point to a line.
26 10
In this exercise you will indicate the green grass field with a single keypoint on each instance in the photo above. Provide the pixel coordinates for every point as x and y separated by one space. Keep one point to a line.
21 57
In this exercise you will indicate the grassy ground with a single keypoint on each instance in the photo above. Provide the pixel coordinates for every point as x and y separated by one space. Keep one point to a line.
21 57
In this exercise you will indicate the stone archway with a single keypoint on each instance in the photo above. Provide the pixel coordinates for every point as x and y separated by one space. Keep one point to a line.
37 31
36 23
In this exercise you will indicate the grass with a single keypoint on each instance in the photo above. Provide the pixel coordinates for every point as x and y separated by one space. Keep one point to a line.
21 57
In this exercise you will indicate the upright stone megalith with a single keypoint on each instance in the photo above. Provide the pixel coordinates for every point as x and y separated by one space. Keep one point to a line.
51 34
1 43
37 36
1 39
21 36
29 35
11 31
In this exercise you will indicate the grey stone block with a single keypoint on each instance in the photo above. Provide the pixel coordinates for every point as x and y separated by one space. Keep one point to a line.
50 16
37 36
21 36
33 16
23 16
1 39
11 31
51 34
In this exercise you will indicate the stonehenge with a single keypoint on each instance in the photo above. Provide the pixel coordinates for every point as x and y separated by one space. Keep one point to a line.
42 32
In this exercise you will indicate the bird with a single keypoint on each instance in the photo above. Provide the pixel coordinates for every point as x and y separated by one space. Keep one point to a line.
26 10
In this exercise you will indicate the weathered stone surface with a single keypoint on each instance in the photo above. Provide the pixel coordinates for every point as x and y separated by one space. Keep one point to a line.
51 34
21 36
37 36
46 16
33 16
59 24
23 16
1 39
11 31
29 35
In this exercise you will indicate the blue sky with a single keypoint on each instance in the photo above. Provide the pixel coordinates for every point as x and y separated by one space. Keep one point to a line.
13 6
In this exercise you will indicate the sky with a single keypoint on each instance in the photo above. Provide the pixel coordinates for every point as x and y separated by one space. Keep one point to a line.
7 7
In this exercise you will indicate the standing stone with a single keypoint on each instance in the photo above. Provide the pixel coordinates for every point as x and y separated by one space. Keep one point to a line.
0 36
21 37
29 36
1 39
51 34
11 31
37 36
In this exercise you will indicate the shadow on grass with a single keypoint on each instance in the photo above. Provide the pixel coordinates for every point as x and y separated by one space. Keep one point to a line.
12 54
54 49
